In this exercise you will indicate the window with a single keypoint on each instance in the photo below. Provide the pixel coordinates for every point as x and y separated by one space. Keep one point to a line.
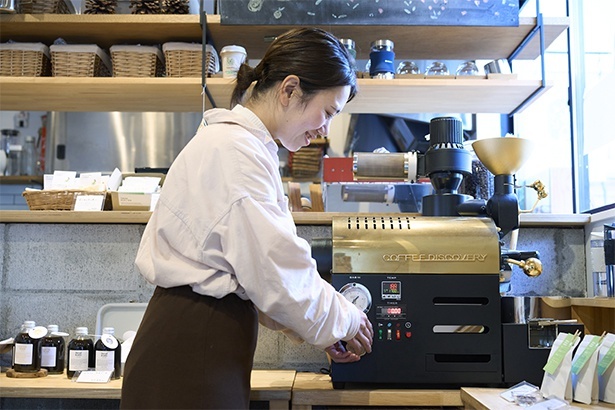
569 124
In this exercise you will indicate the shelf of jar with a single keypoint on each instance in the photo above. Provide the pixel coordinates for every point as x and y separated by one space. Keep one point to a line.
411 42
375 96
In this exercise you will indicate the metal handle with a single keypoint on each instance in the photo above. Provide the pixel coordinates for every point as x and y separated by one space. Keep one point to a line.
531 267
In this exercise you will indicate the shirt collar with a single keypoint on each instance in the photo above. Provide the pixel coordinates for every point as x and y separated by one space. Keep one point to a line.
255 121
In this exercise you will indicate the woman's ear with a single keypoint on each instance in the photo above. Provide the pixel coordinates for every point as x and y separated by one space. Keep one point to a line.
290 88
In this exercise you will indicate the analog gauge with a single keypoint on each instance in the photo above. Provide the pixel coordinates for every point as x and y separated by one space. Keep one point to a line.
358 295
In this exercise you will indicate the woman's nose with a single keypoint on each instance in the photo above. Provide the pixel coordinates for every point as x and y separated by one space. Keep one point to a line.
324 130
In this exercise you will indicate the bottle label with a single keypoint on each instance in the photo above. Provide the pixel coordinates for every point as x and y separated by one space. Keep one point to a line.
23 354
105 360
48 356
78 360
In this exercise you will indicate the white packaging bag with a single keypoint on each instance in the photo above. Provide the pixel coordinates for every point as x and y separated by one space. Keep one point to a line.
556 381
606 369
584 370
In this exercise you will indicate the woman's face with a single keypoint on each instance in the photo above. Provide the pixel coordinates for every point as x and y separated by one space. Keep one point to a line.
303 122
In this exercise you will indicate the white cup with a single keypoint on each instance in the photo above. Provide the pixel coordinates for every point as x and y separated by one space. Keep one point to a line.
232 57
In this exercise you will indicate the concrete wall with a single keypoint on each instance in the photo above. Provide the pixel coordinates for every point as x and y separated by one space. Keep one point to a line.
64 273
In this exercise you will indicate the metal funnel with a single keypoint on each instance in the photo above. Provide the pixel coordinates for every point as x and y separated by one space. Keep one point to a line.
502 156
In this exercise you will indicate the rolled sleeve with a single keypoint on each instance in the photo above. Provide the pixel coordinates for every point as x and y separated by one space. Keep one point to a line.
275 268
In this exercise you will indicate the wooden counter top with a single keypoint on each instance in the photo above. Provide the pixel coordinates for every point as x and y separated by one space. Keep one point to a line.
301 218
273 386
482 398
314 389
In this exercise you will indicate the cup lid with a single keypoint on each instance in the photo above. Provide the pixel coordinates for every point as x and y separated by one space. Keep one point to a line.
236 49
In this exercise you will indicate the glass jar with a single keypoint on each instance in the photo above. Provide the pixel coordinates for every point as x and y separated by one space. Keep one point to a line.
29 157
467 68
350 46
437 68
381 59
408 67
14 158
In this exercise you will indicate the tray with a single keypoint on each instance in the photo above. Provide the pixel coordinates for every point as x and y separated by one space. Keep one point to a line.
121 316
58 200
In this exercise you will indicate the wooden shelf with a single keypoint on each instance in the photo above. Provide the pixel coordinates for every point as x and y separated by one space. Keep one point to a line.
411 42
597 314
301 218
562 302
184 94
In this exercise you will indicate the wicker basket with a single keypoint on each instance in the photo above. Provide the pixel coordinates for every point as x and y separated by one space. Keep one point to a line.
86 60
45 6
137 61
183 59
306 162
58 200
24 60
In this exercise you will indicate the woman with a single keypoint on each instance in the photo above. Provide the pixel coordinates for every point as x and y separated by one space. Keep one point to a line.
222 248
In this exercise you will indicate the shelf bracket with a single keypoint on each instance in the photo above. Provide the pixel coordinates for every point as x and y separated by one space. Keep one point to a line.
205 91
540 29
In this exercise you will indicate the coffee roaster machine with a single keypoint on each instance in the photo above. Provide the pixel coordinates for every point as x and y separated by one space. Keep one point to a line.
429 282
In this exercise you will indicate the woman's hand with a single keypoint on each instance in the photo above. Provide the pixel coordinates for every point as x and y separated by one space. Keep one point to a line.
338 353
361 343
356 347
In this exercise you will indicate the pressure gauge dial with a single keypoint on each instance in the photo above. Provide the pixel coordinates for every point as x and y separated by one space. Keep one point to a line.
358 295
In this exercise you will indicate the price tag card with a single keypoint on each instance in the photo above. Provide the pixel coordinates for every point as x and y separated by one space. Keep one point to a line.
607 360
94 376
586 354
89 202
557 357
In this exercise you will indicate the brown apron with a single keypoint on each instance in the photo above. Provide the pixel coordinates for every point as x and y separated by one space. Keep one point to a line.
191 351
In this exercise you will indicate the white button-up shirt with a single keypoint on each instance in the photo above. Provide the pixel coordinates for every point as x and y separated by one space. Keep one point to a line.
222 225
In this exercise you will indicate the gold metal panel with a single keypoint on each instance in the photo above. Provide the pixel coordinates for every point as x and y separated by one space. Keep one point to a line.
415 244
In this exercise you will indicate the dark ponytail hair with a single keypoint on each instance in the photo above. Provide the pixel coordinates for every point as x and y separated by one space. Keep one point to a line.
317 57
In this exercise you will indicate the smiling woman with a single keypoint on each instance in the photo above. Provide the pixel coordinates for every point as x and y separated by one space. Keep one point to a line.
221 242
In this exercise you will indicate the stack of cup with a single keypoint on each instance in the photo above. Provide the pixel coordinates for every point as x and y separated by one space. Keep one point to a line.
232 58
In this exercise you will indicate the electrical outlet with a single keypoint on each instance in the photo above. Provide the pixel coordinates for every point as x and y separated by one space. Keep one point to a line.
21 119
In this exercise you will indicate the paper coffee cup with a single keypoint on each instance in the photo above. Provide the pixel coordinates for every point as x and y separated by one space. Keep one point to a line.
232 58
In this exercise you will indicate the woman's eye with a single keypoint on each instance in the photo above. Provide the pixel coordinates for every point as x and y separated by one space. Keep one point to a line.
328 115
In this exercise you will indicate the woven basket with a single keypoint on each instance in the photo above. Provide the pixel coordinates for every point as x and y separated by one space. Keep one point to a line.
24 60
306 162
183 59
79 61
137 61
58 200
45 6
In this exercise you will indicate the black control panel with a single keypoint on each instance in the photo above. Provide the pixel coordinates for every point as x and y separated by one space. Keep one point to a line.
430 329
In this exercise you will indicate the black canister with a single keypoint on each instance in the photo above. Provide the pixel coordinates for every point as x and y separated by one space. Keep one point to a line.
382 59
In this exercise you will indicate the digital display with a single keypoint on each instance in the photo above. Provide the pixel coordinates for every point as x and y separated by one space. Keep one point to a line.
391 312
391 289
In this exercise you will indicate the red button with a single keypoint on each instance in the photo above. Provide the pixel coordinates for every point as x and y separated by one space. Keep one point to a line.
408 335
398 335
